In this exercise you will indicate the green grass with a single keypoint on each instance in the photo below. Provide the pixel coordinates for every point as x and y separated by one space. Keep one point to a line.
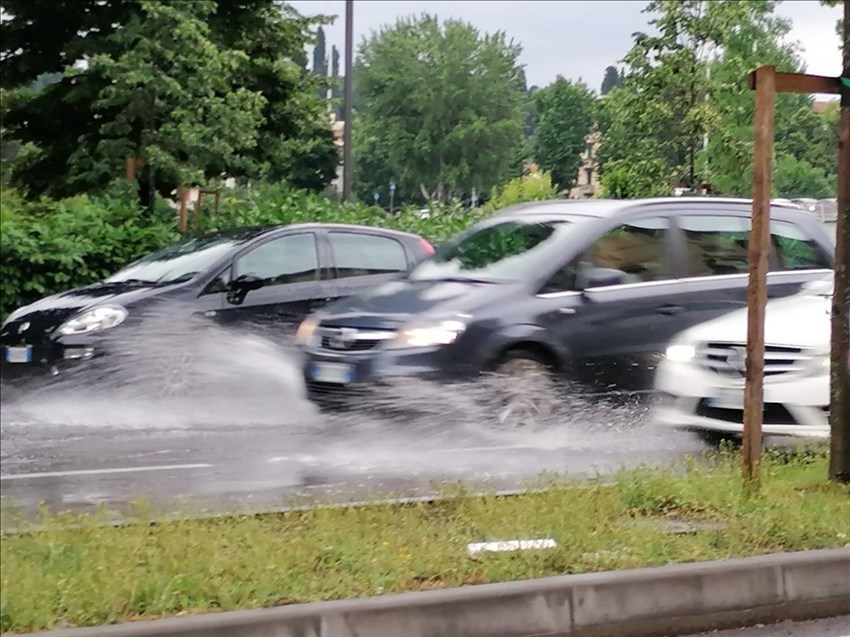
86 573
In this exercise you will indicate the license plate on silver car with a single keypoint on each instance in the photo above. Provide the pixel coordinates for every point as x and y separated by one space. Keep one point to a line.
18 354
337 373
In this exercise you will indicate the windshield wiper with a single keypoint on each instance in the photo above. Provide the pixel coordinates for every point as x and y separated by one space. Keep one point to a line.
131 282
460 279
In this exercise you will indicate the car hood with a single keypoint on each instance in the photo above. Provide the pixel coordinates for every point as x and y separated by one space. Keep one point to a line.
801 320
51 311
393 304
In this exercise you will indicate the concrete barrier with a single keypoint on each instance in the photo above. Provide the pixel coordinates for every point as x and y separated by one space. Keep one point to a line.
643 602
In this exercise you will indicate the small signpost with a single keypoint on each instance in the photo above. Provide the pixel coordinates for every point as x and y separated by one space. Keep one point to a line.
767 82
376 197
392 195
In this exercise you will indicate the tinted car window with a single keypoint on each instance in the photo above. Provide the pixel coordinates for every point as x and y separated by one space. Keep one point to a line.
794 250
637 248
715 244
511 250
357 254
290 259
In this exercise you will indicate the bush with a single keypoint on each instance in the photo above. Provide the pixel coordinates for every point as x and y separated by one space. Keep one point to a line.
49 246
534 185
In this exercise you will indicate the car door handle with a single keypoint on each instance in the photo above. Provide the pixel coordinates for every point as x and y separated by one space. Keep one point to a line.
669 309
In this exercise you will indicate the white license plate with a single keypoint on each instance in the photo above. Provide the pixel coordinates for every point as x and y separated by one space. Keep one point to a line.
18 354
727 398
338 373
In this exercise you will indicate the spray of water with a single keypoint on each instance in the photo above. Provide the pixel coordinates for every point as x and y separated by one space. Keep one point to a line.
179 375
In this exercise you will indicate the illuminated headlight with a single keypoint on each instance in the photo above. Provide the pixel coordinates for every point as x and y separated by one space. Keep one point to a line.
681 353
94 320
433 333
308 331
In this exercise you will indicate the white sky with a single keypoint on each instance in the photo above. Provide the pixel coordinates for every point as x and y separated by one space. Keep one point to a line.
576 39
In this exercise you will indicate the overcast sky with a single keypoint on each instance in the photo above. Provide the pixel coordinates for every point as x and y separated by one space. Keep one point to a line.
573 38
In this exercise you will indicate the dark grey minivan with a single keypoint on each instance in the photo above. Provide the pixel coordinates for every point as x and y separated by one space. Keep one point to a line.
588 289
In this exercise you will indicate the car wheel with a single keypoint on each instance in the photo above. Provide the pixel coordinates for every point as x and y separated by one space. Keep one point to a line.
521 392
174 375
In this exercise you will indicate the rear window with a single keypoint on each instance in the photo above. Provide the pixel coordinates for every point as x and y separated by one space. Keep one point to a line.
795 250
358 254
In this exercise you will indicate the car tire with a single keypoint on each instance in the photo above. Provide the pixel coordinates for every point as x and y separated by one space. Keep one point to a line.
521 391
175 375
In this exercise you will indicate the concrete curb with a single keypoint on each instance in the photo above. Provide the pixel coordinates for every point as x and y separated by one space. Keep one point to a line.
636 603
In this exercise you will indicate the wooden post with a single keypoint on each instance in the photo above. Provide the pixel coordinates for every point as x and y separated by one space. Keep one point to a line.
765 85
182 194
839 411
130 169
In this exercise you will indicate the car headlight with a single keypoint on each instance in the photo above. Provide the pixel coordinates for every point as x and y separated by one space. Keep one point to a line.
430 333
94 320
307 331
681 352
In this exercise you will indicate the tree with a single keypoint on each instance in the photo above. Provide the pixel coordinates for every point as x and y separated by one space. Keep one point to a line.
684 112
794 178
189 88
564 115
439 108
613 79
320 58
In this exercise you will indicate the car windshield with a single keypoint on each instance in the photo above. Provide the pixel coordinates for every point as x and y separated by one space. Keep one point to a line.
179 262
505 251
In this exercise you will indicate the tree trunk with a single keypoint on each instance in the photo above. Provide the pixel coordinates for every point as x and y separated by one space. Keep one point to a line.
839 411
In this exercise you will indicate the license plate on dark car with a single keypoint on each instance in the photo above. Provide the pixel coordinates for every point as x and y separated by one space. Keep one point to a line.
336 373
17 354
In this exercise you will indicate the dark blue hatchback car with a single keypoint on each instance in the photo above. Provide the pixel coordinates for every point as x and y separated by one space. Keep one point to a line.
590 291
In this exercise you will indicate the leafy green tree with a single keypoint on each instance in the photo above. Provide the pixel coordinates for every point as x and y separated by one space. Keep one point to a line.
794 178
684 112
195 89
439 109
613 79
564 116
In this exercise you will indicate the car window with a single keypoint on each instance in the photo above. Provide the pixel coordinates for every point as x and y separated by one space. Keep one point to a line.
498 250
358 254
715 244
795 250
290 259
638 249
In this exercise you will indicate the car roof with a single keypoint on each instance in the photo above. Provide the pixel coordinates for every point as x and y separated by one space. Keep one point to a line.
247 233
614 207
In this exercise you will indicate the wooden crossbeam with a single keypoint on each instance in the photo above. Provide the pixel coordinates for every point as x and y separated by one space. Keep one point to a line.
801 83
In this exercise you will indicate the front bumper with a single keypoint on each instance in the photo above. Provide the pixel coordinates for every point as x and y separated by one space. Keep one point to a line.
689 399
340 377
22 362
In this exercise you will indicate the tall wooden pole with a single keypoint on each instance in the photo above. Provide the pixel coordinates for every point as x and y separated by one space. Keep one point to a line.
765 81
347 90
839 411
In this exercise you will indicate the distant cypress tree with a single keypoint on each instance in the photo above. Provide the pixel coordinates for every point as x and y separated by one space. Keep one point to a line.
613 79
320 59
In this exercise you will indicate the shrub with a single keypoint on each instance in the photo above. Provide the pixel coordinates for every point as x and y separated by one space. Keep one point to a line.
49 246
534 185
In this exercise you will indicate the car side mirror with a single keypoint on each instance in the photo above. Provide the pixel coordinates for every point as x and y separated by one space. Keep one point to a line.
602 277
241 285
246 282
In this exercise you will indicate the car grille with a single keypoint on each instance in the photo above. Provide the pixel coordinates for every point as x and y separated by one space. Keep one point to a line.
774 414
729 359
351 339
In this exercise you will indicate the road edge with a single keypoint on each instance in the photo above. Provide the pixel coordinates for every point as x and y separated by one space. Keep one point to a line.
645 602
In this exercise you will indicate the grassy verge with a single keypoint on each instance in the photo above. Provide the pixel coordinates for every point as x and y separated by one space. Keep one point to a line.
92 574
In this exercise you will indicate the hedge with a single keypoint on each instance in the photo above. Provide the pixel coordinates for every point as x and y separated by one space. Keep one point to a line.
49 246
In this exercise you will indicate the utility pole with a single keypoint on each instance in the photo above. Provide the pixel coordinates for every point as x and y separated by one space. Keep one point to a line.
839 411
346 131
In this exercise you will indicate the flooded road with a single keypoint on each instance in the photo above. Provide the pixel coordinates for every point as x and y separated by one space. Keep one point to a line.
241 435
